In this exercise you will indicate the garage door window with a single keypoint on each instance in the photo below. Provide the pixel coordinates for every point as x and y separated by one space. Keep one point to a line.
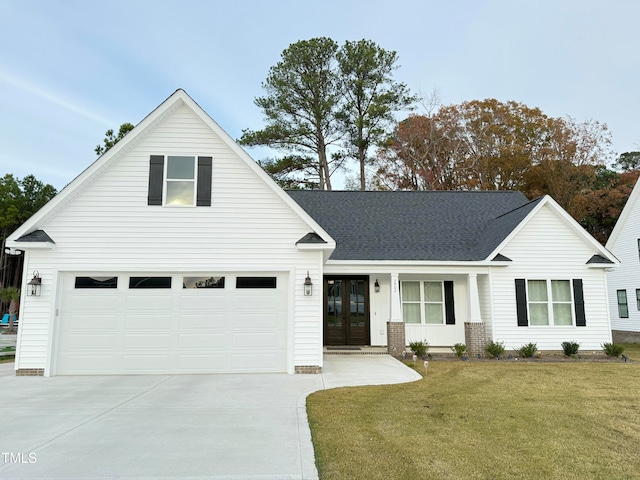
203 282
256 282
96 282
150 282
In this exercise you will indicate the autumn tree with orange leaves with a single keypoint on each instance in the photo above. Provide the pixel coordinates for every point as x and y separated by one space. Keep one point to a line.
491 145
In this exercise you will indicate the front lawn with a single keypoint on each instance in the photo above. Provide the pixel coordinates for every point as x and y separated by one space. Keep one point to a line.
485 420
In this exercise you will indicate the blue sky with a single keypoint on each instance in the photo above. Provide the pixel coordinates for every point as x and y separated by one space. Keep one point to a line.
70 70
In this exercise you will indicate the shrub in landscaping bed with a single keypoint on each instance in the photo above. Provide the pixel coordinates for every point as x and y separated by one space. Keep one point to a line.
528 351
494 349
612 349
570 348
419 347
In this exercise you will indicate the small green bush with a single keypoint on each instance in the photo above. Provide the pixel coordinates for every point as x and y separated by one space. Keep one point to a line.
494 349
459 349
570 348
612 349
419 347
528 351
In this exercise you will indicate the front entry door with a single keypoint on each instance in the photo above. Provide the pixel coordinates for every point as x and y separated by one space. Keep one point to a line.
346 310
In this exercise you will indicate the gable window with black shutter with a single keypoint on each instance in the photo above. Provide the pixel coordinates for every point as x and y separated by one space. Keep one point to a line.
542 302
176 180
428 302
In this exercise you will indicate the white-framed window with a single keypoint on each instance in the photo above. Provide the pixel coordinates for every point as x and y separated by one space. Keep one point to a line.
638 297
423 302
550 302
180 180
623 307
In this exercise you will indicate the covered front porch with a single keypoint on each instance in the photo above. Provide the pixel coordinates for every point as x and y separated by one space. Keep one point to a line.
433 303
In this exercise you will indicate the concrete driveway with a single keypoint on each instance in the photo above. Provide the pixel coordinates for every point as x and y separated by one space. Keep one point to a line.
250 426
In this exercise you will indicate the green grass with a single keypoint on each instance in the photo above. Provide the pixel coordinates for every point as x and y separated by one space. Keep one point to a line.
485 420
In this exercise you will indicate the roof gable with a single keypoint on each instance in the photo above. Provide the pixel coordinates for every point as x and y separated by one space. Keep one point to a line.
150 124
607 259
630 211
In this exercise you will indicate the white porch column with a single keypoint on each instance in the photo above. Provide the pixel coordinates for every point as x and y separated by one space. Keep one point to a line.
396 340
474 299
396 313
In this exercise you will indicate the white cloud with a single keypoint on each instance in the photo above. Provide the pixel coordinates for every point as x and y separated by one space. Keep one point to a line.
27 86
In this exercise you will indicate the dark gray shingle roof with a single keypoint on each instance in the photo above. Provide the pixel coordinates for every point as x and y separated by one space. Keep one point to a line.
36 236
434 225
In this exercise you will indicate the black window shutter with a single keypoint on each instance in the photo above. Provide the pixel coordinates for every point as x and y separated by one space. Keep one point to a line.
521 302
578 299
204 182
448 303
156 176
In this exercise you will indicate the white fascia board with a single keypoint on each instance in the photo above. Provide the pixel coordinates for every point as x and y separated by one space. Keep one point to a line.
437 268
548 200
29 245
626 212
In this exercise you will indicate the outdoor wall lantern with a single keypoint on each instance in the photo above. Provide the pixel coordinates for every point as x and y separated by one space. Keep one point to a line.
376 286
35 284
308 286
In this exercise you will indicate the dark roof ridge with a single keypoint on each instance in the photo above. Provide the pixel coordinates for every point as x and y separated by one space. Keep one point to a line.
521 206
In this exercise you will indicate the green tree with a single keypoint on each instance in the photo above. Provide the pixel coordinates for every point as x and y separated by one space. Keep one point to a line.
628 161
19 199
10 295
300 105
291 172
111 138
370 97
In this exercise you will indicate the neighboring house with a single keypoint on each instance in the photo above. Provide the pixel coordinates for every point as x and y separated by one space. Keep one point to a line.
624 282
174 252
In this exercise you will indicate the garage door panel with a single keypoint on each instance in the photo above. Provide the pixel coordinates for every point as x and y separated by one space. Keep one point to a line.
200 340
256 302
209 300
92 303
215 363
148 322
257 321
139 301
167 331
146 340
78 341
90 362
159 362
91 321
210 321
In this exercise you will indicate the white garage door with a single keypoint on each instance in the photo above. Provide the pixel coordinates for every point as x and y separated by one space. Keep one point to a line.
137 324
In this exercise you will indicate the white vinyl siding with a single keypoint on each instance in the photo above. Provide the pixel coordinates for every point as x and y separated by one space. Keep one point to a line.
625 245
548 245
109 227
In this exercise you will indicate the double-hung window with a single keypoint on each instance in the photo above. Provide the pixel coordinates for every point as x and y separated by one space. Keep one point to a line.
623 307
180 180
427 302
550 302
